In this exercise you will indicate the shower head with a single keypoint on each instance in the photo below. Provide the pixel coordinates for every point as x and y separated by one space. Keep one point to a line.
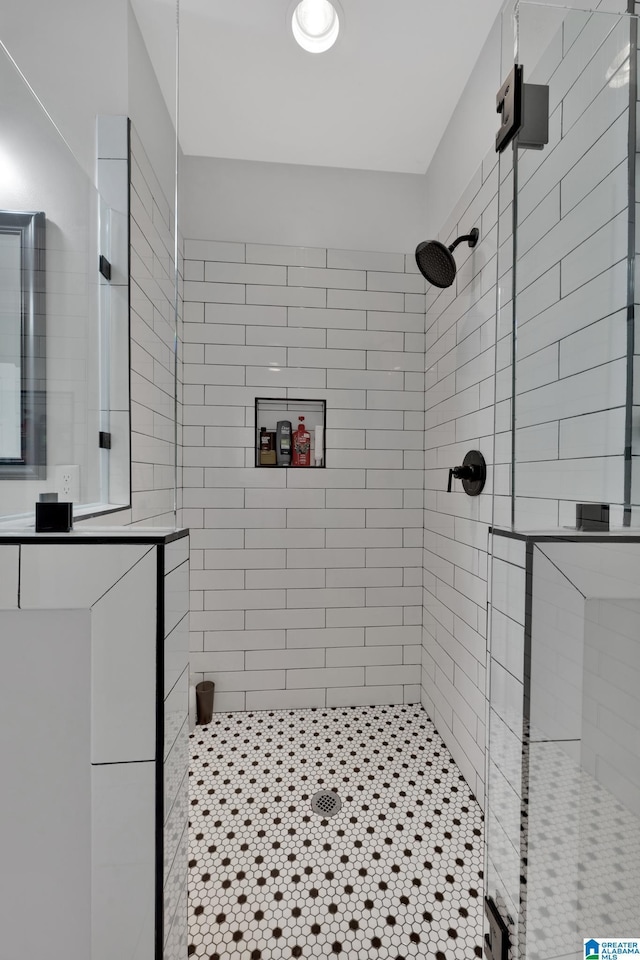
435 261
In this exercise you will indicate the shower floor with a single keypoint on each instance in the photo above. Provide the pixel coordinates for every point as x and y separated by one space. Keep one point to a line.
396 873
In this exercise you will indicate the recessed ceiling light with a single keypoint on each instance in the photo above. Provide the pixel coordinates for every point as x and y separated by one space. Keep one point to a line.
315 25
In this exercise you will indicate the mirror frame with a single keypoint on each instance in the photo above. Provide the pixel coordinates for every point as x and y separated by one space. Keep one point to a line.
32 464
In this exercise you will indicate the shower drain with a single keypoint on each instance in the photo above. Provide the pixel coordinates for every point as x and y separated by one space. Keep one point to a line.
326 803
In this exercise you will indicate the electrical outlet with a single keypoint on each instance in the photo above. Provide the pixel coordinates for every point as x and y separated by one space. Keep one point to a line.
67 482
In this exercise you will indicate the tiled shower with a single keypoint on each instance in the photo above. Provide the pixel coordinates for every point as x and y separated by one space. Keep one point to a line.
375 640
329 621
305 584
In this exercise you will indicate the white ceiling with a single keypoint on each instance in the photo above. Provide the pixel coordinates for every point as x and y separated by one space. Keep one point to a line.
380 99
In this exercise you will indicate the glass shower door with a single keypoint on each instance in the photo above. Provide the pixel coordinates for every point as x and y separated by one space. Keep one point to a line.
573 253
563 817
563 767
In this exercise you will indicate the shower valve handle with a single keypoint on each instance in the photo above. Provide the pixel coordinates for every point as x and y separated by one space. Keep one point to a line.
461 473
473 473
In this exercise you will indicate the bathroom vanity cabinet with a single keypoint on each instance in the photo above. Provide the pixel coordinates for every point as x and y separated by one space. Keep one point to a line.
94 676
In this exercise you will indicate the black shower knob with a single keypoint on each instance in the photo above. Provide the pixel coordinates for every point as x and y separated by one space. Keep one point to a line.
472 472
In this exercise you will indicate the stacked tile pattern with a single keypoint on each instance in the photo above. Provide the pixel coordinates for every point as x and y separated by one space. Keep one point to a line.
306 584
176 748
506 730
459 416
571 356
153 348
396 873
571 280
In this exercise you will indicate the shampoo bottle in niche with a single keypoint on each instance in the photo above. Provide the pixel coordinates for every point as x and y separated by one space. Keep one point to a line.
301 445
319 446
283 443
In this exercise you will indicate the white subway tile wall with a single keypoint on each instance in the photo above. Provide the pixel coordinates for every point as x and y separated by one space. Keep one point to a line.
571 280
571 366
305 584
176 739
459 410
505 722
153 353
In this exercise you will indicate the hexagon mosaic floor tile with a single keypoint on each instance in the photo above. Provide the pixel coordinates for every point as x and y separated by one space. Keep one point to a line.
395 873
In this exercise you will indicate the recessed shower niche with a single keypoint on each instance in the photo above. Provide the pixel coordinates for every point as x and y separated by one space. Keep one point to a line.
290 433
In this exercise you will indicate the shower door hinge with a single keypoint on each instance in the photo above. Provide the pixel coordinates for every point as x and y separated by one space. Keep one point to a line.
104 440
524 112
496 942
104 267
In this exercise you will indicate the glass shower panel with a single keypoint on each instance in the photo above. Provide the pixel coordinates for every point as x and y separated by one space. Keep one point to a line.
573 246
563 815
157 272
504 765
49 299
582 780
582 833
563 771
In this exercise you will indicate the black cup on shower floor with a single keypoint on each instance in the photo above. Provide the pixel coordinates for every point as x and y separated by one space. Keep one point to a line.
204 702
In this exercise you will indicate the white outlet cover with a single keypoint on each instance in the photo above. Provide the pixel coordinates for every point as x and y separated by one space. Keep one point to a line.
67 482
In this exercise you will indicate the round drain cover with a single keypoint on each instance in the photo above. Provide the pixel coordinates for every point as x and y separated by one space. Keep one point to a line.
326 803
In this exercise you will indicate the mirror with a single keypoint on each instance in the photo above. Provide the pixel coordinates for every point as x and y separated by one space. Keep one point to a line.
64 345
22 346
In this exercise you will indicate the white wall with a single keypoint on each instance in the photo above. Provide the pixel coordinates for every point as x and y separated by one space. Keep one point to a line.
148 110
84 59
59 834
299 205
467 138
74 54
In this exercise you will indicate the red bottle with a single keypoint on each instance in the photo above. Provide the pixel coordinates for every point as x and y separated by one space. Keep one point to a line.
301 446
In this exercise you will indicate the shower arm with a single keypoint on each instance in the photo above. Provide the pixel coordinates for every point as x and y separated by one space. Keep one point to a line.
472 238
